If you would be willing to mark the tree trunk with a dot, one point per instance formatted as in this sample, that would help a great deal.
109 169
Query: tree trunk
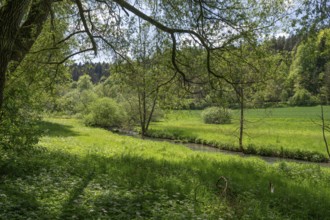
141 115
144 109
152 110
4 61
241 127
323 131
18 36
11 16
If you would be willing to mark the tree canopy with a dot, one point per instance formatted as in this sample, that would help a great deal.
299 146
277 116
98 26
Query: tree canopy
111 24
96 25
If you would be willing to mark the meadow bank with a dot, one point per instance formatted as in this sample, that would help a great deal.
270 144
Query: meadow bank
79 172
293 132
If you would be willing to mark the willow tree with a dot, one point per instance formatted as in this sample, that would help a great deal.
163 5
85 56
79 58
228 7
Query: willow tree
100 24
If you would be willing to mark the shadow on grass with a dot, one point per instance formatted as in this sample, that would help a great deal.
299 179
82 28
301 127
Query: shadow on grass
69 207
127 186
56 130
15 203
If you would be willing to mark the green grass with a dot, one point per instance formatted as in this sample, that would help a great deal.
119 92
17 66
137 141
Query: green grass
291 129
78 172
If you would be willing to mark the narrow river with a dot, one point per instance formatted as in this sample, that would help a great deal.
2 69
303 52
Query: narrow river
204 148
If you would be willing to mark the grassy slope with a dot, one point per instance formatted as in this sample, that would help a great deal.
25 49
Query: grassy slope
90 173
290 128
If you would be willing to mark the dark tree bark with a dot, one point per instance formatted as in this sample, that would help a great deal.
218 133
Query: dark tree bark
17 36
11 16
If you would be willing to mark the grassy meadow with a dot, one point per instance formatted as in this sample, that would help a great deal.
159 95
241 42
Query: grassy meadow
79 172
292 129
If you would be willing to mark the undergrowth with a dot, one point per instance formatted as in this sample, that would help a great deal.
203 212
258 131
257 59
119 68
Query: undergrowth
78 172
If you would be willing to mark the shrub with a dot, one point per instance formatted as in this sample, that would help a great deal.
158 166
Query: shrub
18 122
105 112
216 115
303 98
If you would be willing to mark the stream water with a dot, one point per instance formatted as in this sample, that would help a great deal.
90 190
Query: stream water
205 148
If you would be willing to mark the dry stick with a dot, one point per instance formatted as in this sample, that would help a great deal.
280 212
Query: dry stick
224 191
323 131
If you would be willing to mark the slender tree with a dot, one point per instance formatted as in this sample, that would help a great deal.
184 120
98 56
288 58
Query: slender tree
325 128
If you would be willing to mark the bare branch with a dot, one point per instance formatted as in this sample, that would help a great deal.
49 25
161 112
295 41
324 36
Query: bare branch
112 47
69 36
83 19
68 57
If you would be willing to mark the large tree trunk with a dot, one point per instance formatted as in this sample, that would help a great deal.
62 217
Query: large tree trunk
18 36
11 16
4 61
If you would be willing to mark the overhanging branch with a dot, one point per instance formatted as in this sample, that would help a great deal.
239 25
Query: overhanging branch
83 19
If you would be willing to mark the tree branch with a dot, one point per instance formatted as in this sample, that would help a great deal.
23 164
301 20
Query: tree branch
83 19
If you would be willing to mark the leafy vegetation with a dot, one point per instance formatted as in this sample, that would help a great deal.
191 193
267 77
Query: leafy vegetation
82 172
106 113
216 115
309 70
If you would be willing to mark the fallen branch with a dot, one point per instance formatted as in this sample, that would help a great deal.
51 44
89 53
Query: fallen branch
222 189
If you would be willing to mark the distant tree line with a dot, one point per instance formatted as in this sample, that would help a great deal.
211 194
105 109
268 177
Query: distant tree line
96 71
283 43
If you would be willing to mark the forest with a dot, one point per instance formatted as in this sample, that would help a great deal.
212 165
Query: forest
165 109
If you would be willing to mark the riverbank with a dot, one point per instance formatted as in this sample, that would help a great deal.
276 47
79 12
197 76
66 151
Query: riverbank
208 148
282 132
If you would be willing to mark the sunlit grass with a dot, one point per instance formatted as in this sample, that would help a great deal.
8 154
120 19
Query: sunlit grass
89 173
296 128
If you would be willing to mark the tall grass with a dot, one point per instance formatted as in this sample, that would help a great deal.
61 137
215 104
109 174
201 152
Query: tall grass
88 173
290 129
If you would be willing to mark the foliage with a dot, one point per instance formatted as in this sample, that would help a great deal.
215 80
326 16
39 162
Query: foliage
105 112
75 101
142 82
18 125
303 98
29 91
216 115
309 70
313 16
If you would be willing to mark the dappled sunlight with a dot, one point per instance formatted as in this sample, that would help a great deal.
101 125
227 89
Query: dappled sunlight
105 175
129 185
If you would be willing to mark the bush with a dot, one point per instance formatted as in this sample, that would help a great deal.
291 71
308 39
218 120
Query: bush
216 115
19 121
303 98
105 112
